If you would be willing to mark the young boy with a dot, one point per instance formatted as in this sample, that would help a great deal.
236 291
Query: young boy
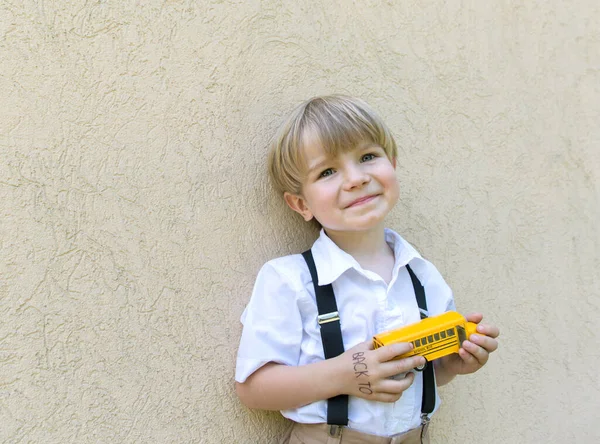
334 160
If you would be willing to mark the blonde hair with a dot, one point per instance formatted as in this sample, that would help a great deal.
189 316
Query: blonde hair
339 123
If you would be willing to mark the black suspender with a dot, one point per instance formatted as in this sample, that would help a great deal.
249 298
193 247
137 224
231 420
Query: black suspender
428 400
331 335
333 345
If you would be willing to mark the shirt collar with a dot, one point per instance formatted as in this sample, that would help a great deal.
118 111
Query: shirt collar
331 261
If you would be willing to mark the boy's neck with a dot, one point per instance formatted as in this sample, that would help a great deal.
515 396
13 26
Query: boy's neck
362 245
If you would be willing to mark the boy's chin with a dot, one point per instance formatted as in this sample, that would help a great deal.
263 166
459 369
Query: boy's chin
356 227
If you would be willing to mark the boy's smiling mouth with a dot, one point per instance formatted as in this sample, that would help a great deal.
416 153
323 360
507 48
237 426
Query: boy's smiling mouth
361 200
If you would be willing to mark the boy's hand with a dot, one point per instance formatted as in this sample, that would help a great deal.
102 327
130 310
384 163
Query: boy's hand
366 372
475 351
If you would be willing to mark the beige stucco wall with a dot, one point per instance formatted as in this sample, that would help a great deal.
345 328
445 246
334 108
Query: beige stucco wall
134 212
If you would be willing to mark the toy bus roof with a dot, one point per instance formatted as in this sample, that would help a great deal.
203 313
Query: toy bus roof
424 327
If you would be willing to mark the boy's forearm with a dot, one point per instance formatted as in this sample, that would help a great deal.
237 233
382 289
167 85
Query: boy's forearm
442 375
282 387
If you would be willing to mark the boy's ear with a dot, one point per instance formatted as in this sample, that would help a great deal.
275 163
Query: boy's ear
394 162
298 204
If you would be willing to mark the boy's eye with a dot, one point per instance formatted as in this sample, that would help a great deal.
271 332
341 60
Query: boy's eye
367 157
327 172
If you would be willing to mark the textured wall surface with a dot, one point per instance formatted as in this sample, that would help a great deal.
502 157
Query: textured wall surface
135 213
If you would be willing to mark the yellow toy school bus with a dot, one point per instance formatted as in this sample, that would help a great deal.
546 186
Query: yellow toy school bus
432 337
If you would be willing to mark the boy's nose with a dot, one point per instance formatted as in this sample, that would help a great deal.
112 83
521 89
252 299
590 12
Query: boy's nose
355 177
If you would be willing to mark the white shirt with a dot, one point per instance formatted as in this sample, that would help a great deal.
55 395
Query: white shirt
280 322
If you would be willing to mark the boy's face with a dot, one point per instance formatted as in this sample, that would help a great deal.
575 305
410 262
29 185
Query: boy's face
349 191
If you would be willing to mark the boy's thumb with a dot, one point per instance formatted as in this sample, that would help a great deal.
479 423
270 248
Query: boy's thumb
391 351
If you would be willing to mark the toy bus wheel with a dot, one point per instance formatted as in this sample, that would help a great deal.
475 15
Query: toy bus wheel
421 367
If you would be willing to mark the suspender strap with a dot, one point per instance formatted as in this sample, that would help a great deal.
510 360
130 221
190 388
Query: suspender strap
428 400
331 335
419 292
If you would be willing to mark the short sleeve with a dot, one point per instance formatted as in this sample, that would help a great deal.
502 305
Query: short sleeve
272 324
440 298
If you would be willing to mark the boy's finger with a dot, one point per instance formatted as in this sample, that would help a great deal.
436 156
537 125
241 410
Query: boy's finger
388 352
480 354
489 330
468 358
474 317
395 386
392 368
488 343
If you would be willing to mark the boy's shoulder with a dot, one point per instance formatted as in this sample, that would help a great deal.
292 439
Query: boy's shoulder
289 261
291 268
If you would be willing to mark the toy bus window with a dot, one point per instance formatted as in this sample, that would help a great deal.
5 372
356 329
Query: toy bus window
443 334
418 343
437 336
450 332
430 339
423 341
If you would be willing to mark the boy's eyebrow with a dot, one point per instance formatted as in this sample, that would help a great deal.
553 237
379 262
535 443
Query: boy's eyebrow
318 165
368 145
